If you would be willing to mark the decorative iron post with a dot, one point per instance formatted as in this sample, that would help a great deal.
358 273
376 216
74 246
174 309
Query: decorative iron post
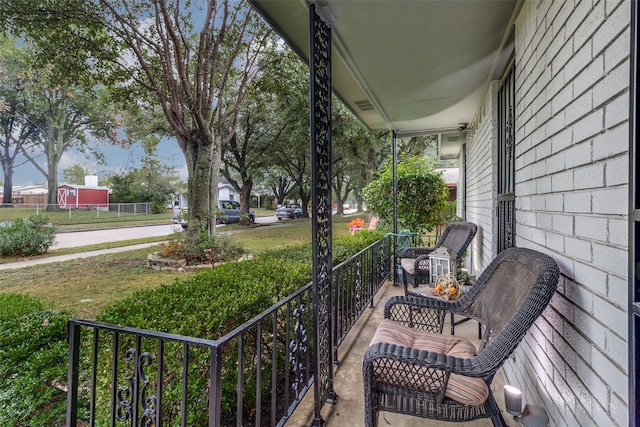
320 74
394 144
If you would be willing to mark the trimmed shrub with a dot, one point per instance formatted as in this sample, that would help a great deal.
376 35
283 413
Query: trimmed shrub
342 247
16 305
28 237
346 246
207 305
33 363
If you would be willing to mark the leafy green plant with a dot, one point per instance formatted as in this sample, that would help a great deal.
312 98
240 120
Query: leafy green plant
33 363
421 195
28 237
206 249
16 305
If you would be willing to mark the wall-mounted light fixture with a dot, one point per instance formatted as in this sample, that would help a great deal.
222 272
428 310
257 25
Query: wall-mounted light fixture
531 416
513 400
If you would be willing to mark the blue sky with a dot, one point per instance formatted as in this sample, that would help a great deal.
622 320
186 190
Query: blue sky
117 159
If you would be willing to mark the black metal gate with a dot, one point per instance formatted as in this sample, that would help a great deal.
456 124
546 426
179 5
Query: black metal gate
506 197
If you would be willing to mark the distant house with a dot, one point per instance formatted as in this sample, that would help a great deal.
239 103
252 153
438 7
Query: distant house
450 176
88 196
225 192
28 194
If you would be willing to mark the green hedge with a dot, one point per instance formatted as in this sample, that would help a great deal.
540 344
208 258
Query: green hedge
212 302
207 305
342 247
33 363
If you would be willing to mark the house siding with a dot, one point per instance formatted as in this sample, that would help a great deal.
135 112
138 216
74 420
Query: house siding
572 107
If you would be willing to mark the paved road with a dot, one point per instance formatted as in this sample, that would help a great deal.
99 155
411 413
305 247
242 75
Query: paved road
84 238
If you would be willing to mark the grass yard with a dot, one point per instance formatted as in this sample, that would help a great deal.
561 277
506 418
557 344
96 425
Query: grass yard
86 286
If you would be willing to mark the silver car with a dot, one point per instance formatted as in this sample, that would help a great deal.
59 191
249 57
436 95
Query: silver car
289 211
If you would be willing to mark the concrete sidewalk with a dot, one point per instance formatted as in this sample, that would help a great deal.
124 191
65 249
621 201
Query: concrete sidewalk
59 258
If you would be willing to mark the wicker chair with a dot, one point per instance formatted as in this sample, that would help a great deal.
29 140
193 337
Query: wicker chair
412 368
415 261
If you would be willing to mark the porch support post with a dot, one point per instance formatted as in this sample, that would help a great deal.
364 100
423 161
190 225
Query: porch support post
394 144
320 75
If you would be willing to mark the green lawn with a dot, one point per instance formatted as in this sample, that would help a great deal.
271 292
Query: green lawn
86 286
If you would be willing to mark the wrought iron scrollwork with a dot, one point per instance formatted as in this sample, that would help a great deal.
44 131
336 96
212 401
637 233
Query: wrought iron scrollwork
148 401
509 134
298 347
321 189
137 380
125 392
358 286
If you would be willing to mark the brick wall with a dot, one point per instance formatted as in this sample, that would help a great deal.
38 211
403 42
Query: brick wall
572 77
480 176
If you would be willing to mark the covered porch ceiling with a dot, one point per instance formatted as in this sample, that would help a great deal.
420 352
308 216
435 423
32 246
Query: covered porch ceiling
416 67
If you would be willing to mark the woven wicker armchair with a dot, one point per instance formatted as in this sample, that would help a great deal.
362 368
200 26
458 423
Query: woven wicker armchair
415 261
412 368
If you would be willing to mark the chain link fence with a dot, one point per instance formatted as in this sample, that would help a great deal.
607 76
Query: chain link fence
59 215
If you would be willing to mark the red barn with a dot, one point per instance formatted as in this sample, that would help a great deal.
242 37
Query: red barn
83 196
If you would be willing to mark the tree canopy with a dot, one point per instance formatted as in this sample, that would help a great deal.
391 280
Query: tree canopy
194 61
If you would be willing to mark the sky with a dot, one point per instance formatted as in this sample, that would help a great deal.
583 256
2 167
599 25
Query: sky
117 160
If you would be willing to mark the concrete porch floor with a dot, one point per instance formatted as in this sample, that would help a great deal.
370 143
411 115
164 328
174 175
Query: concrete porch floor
349 410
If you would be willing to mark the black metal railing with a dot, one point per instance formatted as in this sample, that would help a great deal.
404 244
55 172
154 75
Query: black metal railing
355 283
255 375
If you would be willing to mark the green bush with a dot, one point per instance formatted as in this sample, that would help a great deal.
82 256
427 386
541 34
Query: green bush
28 237
341 247
346 246
206 249
208 305
33 363
421 195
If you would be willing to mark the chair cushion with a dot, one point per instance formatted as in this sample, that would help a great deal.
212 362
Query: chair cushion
466 390
408 265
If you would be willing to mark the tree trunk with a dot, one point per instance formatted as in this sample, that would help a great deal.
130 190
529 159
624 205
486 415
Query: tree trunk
8 185
245 202
304 201
203 165
337 190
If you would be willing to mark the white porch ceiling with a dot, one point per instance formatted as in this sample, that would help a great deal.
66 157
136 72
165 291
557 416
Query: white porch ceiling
422 65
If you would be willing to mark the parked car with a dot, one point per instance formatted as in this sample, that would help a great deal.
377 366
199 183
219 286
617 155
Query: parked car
289 212
228 213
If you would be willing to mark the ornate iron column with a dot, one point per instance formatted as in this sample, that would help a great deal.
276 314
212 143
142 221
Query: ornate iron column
320 71
394 138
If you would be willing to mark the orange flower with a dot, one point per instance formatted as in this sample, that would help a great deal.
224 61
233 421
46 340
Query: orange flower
356 223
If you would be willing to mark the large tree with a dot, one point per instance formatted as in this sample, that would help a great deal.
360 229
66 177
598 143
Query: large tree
288 82
193 60
246 155
18 124
68 117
